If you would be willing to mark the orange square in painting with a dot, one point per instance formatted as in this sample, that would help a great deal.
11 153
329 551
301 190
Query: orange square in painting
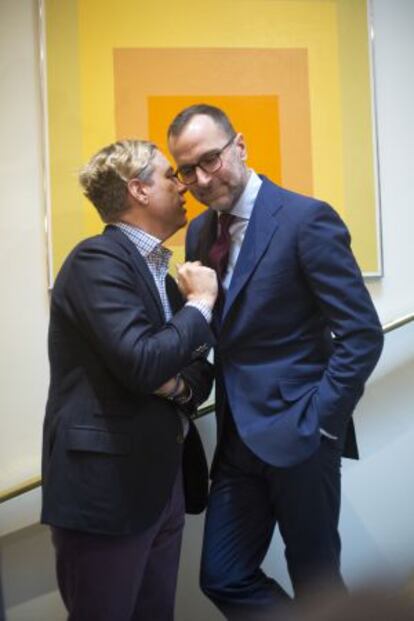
257 115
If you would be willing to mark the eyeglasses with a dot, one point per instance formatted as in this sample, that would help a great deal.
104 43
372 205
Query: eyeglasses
210 163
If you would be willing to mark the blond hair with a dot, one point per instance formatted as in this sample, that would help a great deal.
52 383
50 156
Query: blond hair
105 177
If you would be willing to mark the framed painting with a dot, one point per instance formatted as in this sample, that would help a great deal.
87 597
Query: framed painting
295 76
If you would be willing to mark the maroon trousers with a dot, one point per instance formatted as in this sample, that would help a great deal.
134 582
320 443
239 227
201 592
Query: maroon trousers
122 578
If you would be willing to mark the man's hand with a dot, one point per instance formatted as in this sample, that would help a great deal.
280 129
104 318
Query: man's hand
197 283
168 388
175 389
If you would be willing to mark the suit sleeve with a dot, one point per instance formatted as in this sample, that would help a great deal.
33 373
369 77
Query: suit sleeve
336 281
100 295
199 374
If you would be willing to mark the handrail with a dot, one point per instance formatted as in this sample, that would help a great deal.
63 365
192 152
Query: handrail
397 323
20 489
34 482
30 484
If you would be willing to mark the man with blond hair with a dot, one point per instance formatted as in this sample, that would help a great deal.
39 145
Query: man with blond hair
121 457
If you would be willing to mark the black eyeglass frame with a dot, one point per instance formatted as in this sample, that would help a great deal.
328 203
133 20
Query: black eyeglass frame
193 167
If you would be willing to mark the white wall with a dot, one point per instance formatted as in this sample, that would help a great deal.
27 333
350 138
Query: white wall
378 513
393 24
24 306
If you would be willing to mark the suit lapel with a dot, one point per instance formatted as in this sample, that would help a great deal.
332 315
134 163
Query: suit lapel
260 230
173 293
139 264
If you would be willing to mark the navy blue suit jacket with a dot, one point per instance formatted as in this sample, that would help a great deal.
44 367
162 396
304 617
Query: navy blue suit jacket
111 448
299 335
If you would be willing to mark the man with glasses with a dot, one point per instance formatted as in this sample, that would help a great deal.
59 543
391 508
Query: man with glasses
121 457
297 338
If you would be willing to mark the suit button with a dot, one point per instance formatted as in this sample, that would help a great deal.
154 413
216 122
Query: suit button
180 438
201 349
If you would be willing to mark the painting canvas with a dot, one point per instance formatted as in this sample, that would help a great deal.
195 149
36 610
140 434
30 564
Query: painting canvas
295 76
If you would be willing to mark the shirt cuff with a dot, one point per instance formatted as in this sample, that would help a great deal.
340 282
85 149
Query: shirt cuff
204 309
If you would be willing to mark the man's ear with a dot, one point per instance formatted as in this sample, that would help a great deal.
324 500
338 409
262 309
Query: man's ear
241 146
138 191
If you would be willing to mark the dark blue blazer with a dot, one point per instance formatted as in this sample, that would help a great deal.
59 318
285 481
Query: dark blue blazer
111 448
298 335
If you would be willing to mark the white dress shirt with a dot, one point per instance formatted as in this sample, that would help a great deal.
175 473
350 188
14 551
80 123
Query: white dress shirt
242 210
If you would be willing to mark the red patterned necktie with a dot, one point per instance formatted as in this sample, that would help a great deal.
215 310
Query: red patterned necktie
219 251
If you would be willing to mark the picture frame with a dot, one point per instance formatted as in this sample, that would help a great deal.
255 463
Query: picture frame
296 78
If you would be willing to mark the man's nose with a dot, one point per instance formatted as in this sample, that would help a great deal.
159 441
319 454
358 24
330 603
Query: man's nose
203 178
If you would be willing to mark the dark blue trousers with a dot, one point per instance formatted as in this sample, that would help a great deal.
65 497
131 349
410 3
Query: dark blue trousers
247 499
125 578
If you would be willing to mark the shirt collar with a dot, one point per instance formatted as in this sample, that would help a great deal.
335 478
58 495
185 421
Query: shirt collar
244 206
145 243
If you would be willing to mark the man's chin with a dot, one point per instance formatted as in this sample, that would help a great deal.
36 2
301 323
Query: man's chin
221 203
183 222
